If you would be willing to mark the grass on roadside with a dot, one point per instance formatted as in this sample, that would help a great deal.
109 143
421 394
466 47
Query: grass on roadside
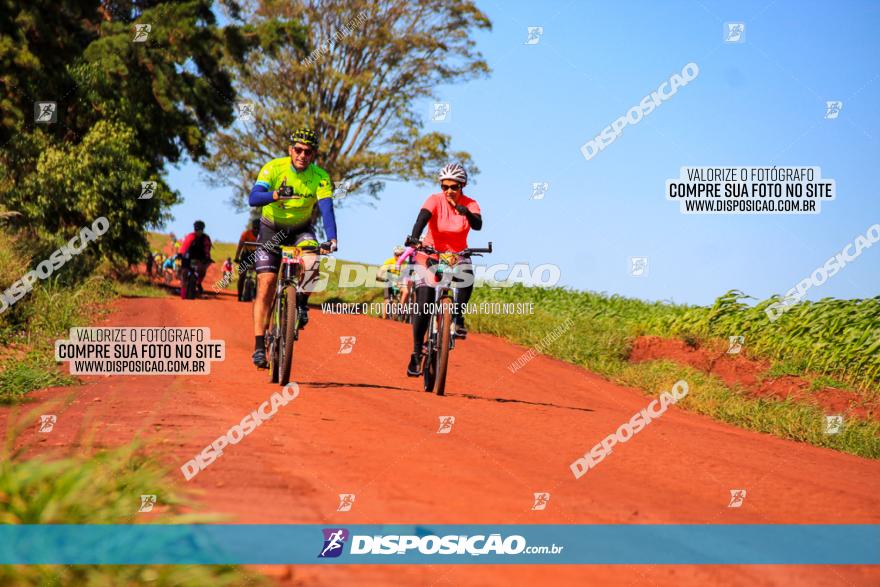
836 338
710 396
139 287
33 324
99 488
35 371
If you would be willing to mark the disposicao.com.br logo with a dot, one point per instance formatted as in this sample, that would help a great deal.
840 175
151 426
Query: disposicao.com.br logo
452 544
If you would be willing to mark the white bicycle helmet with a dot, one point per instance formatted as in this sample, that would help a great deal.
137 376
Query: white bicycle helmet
455 172
398 250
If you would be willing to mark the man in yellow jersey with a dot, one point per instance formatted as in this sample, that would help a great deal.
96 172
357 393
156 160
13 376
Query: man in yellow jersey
289 222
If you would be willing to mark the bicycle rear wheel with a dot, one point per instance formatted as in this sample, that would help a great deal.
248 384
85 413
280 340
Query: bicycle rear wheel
249 290
289 334
190 284
444 324
429 362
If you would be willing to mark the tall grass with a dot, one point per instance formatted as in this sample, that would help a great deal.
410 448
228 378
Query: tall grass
29 327
833 337
99 488
49 312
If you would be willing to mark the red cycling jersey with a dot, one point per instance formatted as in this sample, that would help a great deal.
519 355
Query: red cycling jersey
195 254
447 228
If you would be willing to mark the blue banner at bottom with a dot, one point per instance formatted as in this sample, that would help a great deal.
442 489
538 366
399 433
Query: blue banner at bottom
695 544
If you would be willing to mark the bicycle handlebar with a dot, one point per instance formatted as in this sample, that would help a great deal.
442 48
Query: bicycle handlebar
304 248
466 252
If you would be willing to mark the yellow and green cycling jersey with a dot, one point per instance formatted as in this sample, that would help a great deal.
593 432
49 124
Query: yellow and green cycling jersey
308 186
390 268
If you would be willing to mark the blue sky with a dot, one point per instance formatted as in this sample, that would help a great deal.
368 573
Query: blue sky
758 103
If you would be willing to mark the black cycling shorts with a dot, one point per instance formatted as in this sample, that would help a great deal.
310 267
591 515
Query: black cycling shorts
268 255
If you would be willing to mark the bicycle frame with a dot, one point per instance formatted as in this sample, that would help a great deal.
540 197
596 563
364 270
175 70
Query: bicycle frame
440 292
289 273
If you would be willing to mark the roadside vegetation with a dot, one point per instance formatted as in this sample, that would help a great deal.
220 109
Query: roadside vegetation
95 487
839 339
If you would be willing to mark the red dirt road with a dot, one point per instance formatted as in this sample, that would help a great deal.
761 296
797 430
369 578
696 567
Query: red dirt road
361 426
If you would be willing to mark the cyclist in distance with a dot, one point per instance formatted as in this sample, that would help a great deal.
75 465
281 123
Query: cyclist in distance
249 235
449 216
197 245
227 270
389 273
290 219
404 264
168 264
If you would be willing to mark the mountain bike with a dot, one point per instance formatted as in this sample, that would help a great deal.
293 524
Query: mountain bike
393 307
189 280
283 330
441 332
249 288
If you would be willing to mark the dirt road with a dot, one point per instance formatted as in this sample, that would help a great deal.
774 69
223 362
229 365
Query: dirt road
361 426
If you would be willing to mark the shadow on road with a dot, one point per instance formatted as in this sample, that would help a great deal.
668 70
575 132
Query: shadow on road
503 400
336 384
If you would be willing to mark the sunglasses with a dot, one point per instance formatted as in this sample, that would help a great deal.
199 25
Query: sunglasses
450 186
300 151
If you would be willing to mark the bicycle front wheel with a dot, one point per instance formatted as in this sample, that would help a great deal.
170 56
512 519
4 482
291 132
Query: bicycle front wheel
429 364
288 334
444 332
190 284
273 338
249 290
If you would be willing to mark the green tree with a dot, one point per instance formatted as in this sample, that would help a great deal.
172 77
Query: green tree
367 66
125 109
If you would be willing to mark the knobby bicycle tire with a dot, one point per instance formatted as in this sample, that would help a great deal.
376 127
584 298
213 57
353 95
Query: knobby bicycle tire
444 320
249 290
273 339
429 363
191 284
289 334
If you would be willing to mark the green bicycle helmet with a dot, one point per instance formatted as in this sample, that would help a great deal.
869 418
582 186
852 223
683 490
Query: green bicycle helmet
306 136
